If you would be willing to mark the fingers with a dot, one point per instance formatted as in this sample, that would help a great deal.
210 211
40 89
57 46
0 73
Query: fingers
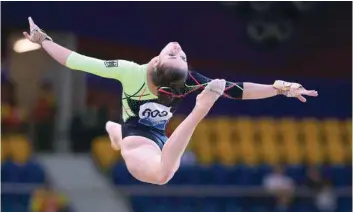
301 98
222 84
31 23
310 93
27 35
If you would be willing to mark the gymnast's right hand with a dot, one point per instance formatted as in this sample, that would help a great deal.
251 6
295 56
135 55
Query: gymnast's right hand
36 34
206 99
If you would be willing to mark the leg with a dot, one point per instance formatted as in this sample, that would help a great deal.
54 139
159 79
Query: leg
114 131
144 159
147 163
178 141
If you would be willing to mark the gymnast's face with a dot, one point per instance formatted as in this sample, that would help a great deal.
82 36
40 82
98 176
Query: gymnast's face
172 55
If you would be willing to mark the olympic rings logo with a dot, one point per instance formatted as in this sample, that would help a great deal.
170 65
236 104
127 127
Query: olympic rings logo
263 31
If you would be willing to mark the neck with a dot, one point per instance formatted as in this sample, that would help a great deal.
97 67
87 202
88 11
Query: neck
150 84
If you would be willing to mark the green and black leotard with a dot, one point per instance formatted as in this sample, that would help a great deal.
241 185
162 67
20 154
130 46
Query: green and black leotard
144 113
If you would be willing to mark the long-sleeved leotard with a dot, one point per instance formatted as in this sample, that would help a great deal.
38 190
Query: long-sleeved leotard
139 104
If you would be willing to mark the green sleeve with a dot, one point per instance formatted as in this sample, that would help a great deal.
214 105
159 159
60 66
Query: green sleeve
113 69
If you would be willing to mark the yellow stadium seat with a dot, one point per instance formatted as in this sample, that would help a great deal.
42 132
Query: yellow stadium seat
348 127
288 129
348 142
4 148
234 141
246 140
103 153
312 145
175 121
202 139
332 133
19 148
225 154
224 150
266 128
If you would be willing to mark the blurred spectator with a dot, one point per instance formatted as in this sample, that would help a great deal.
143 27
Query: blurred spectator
90 123
313 179
13 118
114 108
188 158
43 115
281 186
326 199
47 200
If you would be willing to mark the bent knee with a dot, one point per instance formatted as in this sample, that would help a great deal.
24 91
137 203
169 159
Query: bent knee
165 175
154 177
162 179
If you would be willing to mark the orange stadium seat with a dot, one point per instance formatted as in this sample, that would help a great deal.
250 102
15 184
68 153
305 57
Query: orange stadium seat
19 148
312 145
103 153
333 134
288 129
266 127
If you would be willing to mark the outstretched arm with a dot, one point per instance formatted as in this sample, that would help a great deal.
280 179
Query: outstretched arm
108 69
248 90
258 91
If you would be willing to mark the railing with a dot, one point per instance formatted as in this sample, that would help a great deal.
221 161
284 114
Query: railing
175 190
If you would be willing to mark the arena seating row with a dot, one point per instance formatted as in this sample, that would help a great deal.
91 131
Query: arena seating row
241 152
239 175
192 204
19 167
16 148
256 141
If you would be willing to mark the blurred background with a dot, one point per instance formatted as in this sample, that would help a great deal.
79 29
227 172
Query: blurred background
247 156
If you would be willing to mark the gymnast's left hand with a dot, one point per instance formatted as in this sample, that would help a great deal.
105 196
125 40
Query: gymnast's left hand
36 35
296 90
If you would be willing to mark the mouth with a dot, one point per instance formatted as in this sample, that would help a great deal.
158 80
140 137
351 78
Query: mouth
176 45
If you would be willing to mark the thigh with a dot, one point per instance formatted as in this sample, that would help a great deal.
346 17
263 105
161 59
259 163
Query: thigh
142 157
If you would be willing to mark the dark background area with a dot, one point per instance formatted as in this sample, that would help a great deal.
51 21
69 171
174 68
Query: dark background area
306 42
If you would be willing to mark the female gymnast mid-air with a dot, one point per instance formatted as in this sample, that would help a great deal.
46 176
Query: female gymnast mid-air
151 93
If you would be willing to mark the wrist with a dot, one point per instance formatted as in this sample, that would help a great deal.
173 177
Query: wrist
281 87
44 42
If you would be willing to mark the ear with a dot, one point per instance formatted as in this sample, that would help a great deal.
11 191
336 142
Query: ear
155 62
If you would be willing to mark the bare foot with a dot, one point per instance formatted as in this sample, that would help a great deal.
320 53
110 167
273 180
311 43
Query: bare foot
114 131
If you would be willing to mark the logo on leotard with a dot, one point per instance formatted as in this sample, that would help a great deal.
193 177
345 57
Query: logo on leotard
154 115
111 63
